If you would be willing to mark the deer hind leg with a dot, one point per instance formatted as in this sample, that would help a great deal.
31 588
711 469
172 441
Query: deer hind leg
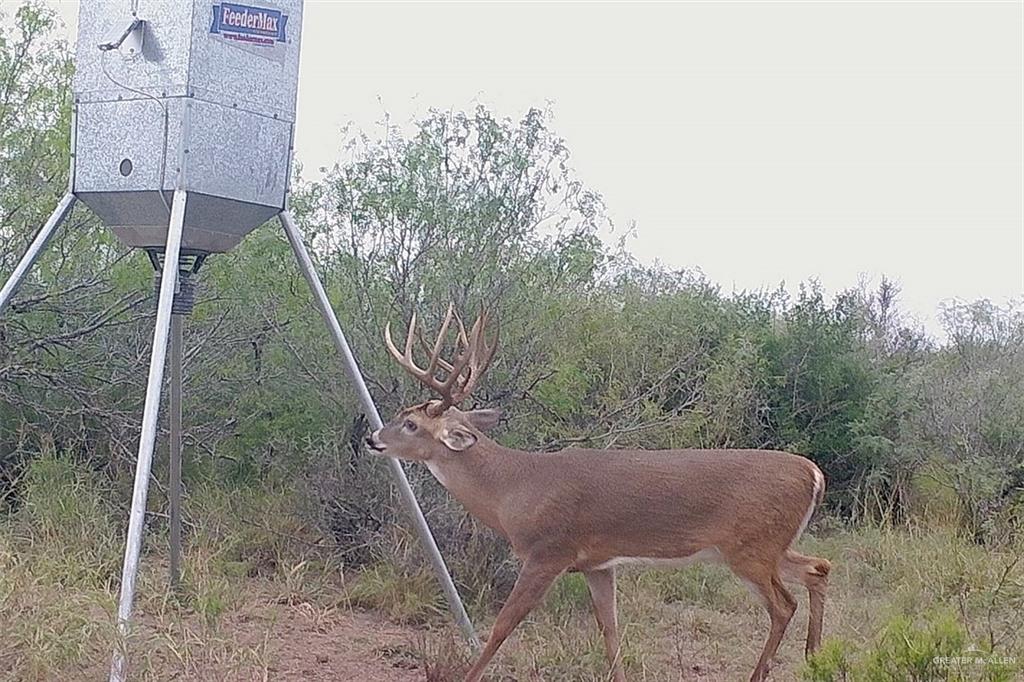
780 605
812 573
602 595
534 579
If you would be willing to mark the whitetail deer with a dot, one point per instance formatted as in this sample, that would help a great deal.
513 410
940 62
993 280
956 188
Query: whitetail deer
592 510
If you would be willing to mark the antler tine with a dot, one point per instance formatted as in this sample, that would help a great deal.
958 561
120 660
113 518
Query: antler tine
435 354
409 335
441 362
494 345
479 356
463 350
473 355
392 348
463 339
405 360
478 333
455 368
472 350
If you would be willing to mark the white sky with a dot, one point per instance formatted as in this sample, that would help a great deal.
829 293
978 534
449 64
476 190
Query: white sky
760 141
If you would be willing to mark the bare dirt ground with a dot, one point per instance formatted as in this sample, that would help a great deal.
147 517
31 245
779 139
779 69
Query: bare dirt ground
272 641
340 646
265 640
267 637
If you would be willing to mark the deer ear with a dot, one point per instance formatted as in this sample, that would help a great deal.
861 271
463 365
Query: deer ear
485 420
457 439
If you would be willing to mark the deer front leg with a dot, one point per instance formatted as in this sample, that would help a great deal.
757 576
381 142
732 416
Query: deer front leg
602 595
533 582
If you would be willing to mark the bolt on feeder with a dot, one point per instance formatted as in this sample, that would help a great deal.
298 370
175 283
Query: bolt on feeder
184 114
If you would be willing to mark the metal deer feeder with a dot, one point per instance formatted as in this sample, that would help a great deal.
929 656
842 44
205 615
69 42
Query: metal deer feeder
182 141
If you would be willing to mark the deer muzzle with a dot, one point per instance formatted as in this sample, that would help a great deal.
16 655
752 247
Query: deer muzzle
374 443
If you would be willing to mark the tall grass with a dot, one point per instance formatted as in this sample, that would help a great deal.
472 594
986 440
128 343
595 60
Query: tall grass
58 557
60 563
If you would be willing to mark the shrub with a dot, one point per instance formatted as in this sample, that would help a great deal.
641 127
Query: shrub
934 649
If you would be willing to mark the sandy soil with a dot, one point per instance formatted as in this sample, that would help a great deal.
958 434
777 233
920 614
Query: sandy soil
301 642
349 646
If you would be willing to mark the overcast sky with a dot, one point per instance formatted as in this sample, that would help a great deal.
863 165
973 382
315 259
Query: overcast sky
762 142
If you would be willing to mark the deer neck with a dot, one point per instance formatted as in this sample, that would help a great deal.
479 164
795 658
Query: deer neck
482 477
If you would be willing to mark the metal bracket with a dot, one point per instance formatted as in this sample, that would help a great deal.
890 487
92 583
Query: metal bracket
129 42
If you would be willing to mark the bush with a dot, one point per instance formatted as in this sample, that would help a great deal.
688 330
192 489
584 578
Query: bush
935 649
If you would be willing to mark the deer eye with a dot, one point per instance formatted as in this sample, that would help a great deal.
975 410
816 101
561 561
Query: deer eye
409 425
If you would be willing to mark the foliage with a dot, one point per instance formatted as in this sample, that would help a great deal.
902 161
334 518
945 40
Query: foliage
969 425
84 291
933 650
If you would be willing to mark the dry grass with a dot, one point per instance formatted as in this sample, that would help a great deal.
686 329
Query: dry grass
249 568
261 601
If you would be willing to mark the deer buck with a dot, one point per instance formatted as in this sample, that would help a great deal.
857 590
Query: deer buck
593 510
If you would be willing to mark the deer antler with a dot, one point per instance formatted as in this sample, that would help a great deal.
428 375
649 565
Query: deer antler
473 356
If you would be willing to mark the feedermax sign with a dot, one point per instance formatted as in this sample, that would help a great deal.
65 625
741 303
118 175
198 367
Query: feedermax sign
260 30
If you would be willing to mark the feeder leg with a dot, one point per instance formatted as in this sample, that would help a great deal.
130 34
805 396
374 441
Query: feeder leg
35 249
412 507
147 438
174 449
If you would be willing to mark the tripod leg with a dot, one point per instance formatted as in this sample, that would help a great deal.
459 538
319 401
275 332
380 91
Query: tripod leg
174 449
35 249
147 438
412 507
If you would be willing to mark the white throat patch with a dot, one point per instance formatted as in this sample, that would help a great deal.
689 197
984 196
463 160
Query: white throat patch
436 470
